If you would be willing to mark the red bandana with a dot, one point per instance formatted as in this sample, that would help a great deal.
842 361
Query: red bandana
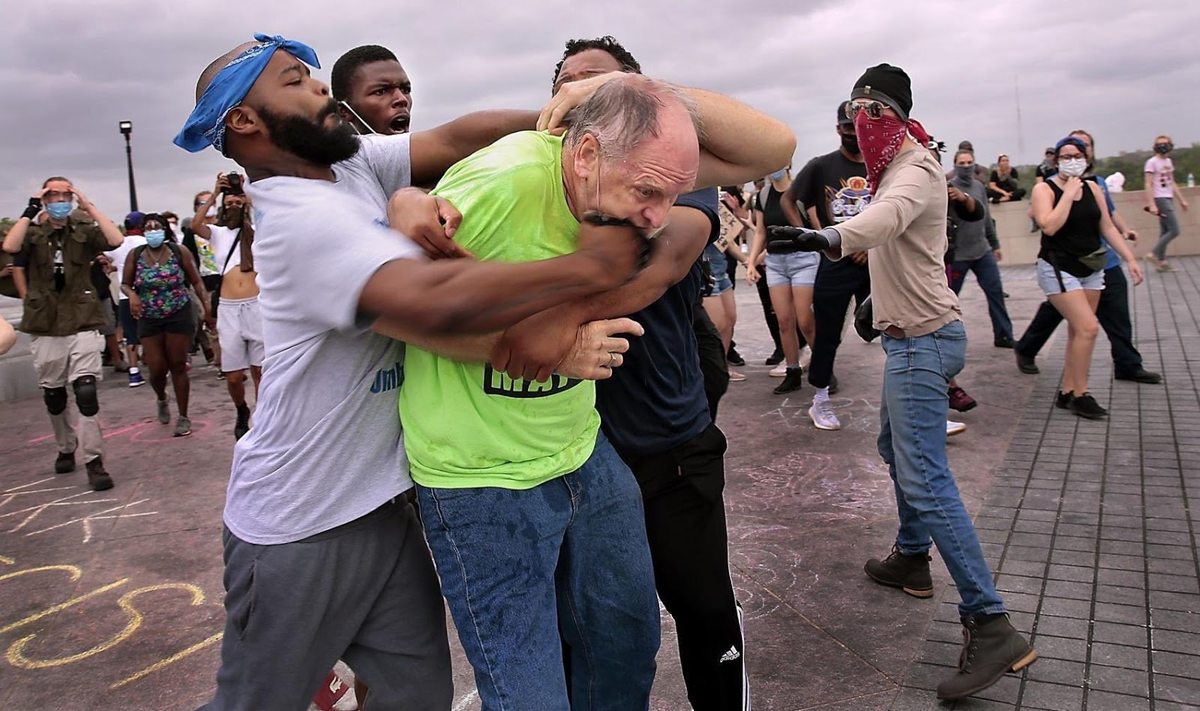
880 140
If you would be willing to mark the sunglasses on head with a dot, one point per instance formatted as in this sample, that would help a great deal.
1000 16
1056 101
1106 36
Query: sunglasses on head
874 109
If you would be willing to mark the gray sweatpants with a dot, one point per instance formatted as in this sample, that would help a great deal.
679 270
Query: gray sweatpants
365 592
1168 226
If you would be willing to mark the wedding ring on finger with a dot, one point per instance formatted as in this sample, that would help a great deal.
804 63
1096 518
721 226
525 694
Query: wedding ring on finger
612 359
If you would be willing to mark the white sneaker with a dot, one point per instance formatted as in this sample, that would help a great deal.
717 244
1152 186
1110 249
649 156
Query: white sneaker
779 371
805 357
955 428
822 416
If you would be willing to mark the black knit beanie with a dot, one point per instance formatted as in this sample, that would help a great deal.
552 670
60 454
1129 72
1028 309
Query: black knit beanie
888 85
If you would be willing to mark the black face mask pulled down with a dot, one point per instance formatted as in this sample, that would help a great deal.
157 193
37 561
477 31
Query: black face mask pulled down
850 143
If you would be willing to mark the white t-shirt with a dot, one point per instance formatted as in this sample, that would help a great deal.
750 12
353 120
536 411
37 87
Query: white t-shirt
326 446
120 254
1162 182
222 241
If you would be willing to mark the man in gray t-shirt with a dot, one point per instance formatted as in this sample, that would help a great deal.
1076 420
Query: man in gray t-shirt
976 249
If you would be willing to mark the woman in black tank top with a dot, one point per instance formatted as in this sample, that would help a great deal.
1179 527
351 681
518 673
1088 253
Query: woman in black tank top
1073 216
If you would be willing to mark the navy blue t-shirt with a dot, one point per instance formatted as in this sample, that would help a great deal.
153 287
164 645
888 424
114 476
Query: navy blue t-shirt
655 401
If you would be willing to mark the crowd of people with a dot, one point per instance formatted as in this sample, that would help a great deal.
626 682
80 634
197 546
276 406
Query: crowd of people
512 412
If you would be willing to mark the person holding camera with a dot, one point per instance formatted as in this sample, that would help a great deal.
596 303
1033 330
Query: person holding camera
925 344
239 324
62 315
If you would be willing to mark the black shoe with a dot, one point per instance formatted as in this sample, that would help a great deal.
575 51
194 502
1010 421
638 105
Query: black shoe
792 381
910 573
833 384
775 359
98 479
1141 375
1064 400
1004 342
243 422
734 357
1086 406
992 647
65 463
1025 364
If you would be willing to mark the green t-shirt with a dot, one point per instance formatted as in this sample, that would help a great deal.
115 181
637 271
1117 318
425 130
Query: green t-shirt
467 425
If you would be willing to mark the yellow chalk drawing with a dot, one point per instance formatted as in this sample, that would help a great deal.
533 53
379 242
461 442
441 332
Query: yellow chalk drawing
16 651
169 660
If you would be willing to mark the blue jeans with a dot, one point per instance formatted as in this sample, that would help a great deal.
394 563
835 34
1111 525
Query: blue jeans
569 555
912 440
1168 226
987 273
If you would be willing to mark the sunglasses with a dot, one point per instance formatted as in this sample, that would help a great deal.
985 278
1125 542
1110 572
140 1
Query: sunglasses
874 109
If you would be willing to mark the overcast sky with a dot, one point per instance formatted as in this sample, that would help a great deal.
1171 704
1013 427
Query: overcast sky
70 70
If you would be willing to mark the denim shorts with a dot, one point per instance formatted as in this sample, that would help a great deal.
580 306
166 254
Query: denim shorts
1048 280
795 269
720 269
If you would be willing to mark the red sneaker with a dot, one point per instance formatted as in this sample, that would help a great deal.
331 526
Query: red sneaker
960 401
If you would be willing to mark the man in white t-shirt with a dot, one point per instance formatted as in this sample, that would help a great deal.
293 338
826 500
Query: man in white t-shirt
324 556
239 321
133 240
1161 192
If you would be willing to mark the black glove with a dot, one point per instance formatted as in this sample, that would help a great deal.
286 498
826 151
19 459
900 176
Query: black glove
864 321
804 239
35 206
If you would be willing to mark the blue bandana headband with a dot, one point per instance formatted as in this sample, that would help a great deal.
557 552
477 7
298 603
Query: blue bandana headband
206 125
1070 141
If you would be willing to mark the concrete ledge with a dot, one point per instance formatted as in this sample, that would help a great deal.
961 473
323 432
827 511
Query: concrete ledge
17 376
1020 246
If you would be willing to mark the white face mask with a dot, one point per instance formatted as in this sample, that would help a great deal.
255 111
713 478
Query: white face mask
1072 167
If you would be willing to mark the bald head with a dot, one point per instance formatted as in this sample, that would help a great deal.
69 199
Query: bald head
213 69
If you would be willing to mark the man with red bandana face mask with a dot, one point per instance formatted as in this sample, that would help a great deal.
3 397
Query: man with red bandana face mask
925 343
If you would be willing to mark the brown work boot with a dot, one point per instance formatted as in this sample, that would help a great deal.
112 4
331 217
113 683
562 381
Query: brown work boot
992 647
98 479
910 573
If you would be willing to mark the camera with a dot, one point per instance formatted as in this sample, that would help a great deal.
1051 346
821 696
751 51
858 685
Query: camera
235 184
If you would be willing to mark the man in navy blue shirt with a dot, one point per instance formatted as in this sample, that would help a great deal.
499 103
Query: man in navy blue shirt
655 413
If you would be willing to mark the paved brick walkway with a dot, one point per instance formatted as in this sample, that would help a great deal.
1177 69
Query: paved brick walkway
1093 528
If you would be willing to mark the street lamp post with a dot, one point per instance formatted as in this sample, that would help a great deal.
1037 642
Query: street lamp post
126 129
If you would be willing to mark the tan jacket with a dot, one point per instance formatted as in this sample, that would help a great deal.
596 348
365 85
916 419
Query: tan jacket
49 312
905 229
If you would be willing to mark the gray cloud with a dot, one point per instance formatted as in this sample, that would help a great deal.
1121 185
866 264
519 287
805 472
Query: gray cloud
1126 72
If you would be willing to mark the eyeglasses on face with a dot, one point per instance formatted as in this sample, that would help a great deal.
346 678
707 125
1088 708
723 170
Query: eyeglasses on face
874 109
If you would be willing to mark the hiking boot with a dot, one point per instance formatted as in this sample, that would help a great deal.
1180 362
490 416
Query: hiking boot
243 422
822 416
992 647
734 357
1025 364
1086 406
98 479
775 359
1004 342
1141 375
183 427
164 412
960 401
910 573
65 463
1063 400
792 380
